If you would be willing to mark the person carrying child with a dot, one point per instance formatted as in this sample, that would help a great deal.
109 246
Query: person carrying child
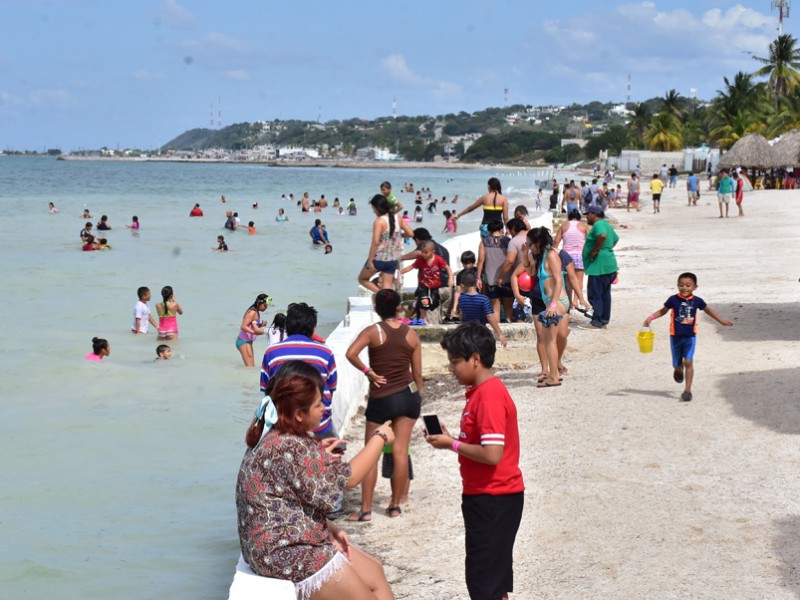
476 308
488 454
429 277
683 329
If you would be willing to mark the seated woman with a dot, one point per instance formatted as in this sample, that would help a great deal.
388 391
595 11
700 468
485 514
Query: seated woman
287 483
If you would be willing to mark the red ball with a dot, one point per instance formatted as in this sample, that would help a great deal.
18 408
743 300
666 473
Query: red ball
525 282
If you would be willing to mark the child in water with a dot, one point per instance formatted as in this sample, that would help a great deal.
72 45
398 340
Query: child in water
328 248
251 227
450 225
222 246
168 310
163 352
52 209
134 223
100 349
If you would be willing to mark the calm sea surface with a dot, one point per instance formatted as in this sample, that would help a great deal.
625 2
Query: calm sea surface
118 478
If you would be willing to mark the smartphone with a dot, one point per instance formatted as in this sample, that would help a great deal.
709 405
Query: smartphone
432 425
340 448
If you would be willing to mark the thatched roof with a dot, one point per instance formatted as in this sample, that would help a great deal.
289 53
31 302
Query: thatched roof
786 151
752 152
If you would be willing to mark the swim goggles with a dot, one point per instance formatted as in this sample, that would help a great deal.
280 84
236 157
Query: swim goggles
267 301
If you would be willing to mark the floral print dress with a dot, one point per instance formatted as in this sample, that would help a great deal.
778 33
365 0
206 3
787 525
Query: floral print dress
286 485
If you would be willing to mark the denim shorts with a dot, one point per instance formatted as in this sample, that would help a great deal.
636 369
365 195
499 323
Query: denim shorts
385 266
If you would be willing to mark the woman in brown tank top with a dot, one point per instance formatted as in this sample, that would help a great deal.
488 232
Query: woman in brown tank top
395 383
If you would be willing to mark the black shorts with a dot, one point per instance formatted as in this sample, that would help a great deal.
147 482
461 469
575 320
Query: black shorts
427 299
387 466
404 403
490 525
656 197
493 292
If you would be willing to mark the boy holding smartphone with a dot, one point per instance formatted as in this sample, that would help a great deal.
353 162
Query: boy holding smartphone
488 455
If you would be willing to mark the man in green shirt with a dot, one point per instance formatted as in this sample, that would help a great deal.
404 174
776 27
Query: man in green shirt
724 191
600 265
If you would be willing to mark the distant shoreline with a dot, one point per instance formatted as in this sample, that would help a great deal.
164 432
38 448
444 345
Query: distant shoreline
339 164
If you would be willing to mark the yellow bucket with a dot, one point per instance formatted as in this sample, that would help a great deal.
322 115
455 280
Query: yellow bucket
645 338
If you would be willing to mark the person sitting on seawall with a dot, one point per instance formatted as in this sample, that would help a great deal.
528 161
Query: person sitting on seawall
196 211
288 481
100 349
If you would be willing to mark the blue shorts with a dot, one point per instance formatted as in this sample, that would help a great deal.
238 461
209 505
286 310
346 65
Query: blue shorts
240 342
682 348
385 266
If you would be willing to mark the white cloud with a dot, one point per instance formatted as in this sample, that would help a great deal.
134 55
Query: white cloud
9 100
145 75
398 71
177 16
238 75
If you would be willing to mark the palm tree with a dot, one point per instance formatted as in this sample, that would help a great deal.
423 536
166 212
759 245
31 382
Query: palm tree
741 93
728 127
638 124
673 104
787 117
664 133
781 66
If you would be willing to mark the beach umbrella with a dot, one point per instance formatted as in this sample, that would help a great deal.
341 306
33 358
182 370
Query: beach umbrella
787 150
751 152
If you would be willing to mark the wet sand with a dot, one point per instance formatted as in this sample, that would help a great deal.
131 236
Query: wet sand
630 492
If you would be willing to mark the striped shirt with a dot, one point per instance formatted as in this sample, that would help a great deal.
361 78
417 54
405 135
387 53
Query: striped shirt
474 307
319 356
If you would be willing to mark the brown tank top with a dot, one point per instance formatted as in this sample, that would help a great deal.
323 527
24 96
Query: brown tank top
392 360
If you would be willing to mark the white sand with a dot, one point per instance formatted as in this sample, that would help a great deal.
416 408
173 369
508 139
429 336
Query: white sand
630 492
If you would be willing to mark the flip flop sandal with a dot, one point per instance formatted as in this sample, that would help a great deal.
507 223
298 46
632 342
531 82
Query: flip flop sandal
362 517
394 511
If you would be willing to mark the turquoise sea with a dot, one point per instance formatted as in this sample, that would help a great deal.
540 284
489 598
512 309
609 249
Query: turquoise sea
118 478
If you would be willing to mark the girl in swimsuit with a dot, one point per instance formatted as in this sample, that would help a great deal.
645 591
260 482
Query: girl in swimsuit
168 312
386 248
251 327
495 206
548 266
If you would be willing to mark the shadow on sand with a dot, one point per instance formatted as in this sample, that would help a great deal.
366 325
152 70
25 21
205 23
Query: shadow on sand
759 322
786 545
768 398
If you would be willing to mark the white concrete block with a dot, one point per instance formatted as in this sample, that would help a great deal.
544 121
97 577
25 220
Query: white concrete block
249 586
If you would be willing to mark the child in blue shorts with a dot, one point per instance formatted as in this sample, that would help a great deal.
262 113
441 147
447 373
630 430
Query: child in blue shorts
683 328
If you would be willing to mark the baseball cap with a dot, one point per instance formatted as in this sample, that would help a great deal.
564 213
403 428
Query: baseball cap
595 209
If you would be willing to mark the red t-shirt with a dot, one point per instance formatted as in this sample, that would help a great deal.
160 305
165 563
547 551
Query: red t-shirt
490 418
430 275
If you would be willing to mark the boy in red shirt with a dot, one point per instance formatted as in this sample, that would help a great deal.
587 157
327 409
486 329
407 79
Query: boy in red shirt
488 455
429 278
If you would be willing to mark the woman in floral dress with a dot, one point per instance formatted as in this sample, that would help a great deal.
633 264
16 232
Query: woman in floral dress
287 483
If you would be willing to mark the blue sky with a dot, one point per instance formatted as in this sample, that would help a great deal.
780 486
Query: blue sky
91 73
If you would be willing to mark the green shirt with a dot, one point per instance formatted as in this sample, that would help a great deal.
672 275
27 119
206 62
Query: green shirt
605 262
392 202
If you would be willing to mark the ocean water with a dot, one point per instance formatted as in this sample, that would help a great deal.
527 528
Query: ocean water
118 478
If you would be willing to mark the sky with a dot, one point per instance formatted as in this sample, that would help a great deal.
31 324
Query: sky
82 74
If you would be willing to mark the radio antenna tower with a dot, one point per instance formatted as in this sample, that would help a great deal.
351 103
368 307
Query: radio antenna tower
219 112
783 7
211 123
505 96
319 114
394 107
629 87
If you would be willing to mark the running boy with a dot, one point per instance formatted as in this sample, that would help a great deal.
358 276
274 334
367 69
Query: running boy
476 308
141 312
488 455
683 328
656 187
430 267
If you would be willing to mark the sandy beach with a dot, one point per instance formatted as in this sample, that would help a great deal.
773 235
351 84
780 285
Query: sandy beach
630 492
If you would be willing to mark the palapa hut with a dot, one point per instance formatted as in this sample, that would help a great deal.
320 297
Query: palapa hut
751 152
786 151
